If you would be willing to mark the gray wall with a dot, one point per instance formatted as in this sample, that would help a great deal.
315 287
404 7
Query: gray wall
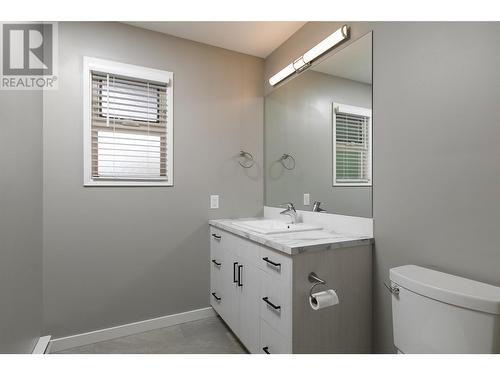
436 123
115 255
298 121
20 220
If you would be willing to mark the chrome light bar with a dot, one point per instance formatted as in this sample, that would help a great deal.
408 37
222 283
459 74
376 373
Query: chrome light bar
305 60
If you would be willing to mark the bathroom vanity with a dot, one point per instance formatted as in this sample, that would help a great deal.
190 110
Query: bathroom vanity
317 154
259 286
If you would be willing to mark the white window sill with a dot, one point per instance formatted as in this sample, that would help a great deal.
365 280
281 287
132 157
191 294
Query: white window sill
352 183
126 183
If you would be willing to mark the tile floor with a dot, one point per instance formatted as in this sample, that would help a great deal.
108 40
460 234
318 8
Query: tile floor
205 336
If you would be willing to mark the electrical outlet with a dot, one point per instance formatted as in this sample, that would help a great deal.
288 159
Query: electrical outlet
214 201
307 199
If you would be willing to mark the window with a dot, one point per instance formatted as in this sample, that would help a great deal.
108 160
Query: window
352 145
128 124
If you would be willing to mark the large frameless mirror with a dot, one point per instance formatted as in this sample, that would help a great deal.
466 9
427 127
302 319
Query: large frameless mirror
318 135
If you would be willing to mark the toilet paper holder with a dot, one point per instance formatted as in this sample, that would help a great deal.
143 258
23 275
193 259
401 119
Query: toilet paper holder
313 278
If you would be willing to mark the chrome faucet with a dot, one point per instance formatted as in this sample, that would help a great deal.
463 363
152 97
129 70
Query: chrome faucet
290 211
316 207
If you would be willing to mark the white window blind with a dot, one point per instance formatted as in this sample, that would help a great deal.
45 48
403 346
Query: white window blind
352 136
129 128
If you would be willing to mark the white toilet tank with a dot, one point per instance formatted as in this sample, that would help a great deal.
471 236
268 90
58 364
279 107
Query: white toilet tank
435 312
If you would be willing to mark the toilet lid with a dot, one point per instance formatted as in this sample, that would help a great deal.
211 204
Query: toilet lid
448 288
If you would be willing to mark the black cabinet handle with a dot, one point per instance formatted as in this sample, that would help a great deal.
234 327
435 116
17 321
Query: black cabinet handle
234 272
215 296
266 349
266 300
216 263
216 236
271 262
240 267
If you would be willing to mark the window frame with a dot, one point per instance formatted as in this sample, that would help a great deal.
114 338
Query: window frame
355 110
133 71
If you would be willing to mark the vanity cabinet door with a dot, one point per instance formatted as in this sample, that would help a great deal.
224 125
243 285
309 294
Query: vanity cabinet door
249 318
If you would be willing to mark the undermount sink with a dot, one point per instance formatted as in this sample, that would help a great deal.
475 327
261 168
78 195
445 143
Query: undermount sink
275 226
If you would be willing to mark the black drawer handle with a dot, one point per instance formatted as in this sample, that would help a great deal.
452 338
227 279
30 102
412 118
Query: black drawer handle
240 267
216 236
234 272
266 300
271 262
215 296
266 349
216 263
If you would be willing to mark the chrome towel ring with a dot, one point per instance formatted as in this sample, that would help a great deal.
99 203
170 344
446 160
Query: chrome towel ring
248 160
286 157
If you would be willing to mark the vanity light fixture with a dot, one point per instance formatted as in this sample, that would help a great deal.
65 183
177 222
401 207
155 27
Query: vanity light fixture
305 60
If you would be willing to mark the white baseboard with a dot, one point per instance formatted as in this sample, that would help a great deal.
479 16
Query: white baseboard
42 345
92 337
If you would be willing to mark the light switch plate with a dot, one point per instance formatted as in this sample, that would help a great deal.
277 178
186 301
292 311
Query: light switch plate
307 199
214 201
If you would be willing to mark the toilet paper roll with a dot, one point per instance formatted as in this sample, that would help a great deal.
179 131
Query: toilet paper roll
323 299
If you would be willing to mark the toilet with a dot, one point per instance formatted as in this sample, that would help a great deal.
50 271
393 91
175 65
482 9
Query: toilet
435 312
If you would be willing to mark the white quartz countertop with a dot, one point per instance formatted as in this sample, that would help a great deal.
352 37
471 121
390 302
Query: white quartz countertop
296 242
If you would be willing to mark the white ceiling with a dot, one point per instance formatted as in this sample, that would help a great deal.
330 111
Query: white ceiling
253 38
353 62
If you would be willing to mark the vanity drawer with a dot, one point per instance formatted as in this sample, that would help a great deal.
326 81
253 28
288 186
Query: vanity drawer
275 264
275 304
216 265
216 300
216 242
271 342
